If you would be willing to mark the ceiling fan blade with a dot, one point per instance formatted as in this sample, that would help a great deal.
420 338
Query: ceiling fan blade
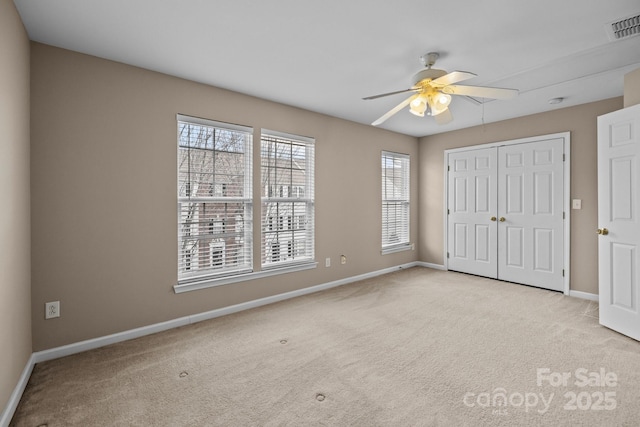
444 117
390 93
481 91
452 77
394 110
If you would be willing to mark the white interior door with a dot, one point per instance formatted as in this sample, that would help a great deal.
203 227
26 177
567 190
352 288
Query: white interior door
472 212
530 211
618 194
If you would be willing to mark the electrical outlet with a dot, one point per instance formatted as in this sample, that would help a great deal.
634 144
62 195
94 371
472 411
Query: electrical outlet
343 259
327 262
51 309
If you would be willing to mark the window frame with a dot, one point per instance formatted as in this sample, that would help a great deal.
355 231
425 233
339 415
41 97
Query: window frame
253 195
403 200
219 225
278 222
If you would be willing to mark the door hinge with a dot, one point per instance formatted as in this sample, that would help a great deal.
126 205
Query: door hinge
563 215
447 254
448 212
563 272
448 168
564 157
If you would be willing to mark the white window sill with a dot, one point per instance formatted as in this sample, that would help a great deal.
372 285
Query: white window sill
397 248
220 281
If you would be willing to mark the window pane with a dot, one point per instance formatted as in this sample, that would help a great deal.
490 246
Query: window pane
214 200
212 236
395 199
287 200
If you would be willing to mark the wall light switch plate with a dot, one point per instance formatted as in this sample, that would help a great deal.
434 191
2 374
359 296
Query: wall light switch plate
576 204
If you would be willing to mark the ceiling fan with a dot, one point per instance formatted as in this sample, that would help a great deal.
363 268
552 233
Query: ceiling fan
433 89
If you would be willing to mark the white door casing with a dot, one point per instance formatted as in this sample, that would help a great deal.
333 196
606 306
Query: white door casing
619 221
529 191
472 221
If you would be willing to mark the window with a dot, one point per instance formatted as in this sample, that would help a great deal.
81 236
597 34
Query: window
395 202
214 199
287 193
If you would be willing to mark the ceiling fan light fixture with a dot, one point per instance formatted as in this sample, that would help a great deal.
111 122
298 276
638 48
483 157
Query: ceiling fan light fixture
438 103
437 109
418 106
433 89
442 99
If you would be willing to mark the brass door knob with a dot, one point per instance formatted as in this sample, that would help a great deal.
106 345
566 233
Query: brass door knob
502 219
602 231
493 218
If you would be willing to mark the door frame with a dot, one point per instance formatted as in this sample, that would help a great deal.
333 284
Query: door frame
566 137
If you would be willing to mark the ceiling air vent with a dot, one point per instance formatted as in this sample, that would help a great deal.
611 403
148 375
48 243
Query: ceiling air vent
624 28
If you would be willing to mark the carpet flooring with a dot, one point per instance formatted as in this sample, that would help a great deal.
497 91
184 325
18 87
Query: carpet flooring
414 347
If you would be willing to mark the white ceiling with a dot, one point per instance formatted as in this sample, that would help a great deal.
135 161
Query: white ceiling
324 56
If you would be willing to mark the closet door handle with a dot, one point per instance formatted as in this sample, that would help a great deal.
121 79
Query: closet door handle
502 219
493 218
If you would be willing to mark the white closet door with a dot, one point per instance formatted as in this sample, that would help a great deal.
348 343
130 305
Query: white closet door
471 234
530 211
618 195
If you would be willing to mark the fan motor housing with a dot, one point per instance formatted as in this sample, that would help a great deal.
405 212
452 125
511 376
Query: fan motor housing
428 74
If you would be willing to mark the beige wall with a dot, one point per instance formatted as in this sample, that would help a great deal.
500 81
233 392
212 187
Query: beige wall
103 191
104 194
15 238
581 122
632 88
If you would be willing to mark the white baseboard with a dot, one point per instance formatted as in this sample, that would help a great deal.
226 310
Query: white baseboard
584 295
292 294
575 294
67 350
430 265
79 347
54 353
14 399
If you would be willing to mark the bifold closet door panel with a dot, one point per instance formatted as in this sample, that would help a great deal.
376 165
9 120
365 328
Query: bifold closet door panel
530 213
472 203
